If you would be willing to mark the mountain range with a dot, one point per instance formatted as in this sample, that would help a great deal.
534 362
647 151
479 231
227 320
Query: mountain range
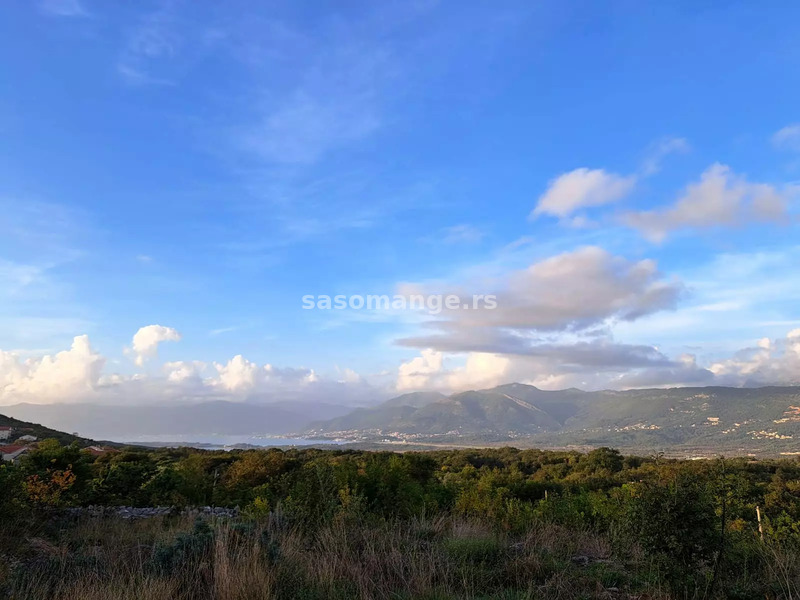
707 417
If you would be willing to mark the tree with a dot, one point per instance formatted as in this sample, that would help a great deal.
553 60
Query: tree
55 474
673 518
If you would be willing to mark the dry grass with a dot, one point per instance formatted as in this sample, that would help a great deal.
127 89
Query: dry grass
437 559
782 568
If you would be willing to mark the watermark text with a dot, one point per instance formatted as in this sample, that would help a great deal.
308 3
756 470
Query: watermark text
431 303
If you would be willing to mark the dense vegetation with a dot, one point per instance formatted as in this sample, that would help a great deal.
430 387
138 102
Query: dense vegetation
348 524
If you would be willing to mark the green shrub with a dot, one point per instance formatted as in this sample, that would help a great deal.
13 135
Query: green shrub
185 550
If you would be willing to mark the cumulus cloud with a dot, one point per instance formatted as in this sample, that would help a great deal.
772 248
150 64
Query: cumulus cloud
574 291
181 371
481 370
240 374
586 188
418 372
147 339
429 372
720 198
588 364
605 364
349 376
76 375
66 375
787 138
582 188
768 362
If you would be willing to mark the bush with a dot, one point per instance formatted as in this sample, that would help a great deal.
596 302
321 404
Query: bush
185 551
675 522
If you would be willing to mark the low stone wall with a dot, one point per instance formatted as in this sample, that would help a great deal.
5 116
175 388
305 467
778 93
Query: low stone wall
146 512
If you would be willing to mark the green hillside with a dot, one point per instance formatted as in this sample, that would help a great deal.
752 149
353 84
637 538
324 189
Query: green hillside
40 432
415 399
738 418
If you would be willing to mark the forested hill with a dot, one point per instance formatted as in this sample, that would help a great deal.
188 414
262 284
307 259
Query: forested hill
41 432
721 416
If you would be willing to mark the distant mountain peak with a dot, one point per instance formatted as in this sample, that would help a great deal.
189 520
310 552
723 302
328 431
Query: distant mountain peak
514 386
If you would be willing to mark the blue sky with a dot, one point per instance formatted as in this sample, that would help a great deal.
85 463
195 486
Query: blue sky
200 166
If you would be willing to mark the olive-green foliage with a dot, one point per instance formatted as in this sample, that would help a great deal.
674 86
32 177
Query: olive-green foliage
674 519
187 548
693 520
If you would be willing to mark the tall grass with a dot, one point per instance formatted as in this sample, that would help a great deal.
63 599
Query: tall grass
440 558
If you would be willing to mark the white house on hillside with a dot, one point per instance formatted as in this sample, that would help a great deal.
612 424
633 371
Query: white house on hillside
5 432
12 453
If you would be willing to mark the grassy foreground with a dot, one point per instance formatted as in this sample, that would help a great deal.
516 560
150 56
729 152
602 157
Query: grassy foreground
438 558
493 523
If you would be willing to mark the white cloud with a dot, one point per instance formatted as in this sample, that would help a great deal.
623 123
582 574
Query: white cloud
601 364
720 198
68 374
349 376
481 370
769 362
582 188
585 188
573 291
239 374
788 137
147 339
242 376
180 371
76 375
417 373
